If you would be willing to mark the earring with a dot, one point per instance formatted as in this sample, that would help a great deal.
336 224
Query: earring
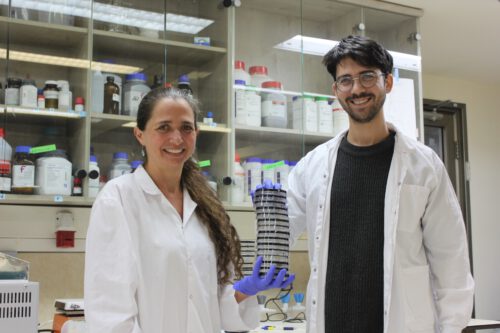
143 151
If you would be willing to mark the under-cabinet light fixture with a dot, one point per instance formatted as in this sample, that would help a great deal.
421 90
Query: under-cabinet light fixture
320 46
130 124
67 62
116 14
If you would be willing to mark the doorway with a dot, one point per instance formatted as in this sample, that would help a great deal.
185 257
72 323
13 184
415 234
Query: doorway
445 131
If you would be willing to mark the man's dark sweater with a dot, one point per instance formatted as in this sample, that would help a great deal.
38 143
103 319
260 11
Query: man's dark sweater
354 296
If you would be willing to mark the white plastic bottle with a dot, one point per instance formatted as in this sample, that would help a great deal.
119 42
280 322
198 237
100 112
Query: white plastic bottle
267 172
274 111
281 175
119 166
65 96
134 90
253 107
238 186
239 72
53 174
94 174
305 113
240 116
253 175
258 75
5 163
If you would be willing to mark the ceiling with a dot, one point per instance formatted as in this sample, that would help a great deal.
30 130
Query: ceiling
460 38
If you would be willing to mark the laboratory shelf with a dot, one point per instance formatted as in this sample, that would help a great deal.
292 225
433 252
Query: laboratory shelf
113 44
25 111
284 92
279 135
103 122
23 119
44 200
45 41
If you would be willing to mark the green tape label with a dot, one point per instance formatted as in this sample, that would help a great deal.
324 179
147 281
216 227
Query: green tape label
203 164
42 149
272 166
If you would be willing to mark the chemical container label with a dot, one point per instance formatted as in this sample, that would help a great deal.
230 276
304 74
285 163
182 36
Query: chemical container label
23 175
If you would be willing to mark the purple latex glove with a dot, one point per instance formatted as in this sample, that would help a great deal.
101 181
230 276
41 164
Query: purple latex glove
251 285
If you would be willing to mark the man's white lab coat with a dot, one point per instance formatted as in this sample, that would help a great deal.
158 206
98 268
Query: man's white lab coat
146 270
427 282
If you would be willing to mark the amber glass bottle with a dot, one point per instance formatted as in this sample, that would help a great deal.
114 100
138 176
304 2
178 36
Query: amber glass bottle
111 96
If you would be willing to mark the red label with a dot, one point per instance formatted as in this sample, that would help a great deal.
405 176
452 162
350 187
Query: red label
4 167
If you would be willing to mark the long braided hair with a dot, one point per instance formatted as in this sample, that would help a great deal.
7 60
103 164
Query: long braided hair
209 208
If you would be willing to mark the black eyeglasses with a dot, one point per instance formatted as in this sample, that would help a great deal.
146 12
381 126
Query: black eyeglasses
367 80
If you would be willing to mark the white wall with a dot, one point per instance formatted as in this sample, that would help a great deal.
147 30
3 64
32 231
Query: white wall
483 127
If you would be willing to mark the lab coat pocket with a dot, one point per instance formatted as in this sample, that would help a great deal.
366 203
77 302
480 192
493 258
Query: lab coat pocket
412 202
418 300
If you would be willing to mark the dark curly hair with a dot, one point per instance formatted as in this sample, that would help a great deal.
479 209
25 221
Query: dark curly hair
363 50
209 208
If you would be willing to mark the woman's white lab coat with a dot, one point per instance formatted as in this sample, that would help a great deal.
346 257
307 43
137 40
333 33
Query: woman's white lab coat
146 270
427 282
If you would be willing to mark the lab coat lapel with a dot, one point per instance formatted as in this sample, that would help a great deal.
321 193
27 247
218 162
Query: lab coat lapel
189 207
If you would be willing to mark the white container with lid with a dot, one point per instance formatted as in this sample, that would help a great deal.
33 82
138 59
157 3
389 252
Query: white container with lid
94 174
240 116
258 75
238 185
253 107
65 96
274 112
119 166
253 175
28 94
267 172
12 91
53 174
305 113
340 118
281 175
134 90
239 72
325 115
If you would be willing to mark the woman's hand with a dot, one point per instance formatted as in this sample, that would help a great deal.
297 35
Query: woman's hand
253 284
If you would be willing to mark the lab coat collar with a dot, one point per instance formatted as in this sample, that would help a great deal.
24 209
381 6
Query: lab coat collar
143 179
403 145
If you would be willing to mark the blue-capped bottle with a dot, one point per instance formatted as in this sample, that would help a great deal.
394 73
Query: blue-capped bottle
184 85
135 164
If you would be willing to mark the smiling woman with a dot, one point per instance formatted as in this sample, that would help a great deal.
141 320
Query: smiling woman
161 252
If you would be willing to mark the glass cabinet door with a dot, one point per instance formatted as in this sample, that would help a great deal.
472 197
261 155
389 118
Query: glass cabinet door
149 44
44 59
285 41
399 33
267 85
